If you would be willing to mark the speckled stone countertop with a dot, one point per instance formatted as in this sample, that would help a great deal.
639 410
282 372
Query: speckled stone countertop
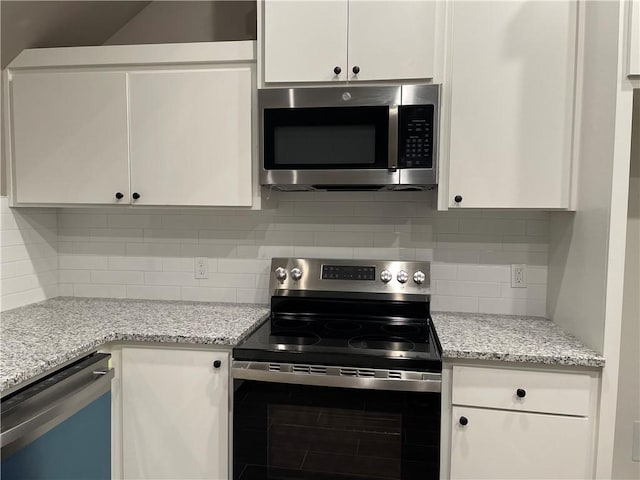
40 337
510 339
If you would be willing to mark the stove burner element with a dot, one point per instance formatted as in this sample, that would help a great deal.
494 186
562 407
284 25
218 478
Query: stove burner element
400 329
285 337
379 342
344 326
285 323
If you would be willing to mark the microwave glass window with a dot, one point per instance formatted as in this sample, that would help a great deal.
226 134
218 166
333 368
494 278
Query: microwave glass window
327 137
325 144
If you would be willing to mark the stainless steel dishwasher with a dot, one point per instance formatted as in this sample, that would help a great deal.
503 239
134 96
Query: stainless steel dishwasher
59 427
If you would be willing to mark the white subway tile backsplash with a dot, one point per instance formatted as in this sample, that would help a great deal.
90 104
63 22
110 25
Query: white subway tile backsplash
209 294
74 276
116 277
81 220
467 289
226 265
153 249
99 248
82 262
485 273
135 263
252 295
100 291
443 271
179 264
153 292
149 252
237 280
170 278
134 221
512 306
537 275
442 303
28 255
534 292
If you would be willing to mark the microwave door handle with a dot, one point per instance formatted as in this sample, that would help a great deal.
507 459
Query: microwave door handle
393 138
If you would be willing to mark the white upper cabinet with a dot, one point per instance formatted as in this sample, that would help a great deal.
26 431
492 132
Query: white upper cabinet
69 137
391 39
634 37
133 125
305 41
331 40
512 88
191 136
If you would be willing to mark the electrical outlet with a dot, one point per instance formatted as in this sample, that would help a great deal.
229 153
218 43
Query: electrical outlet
201 267
518 276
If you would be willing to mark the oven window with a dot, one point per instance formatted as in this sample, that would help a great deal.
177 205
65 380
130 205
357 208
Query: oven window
300 432
317 138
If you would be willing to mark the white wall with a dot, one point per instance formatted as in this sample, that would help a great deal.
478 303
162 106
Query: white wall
150 253
189 21
28 255
628 408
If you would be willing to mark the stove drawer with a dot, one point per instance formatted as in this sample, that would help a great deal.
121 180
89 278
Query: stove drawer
522 390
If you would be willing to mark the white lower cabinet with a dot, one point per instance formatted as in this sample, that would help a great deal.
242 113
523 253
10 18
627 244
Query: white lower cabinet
175 413
516 423
504 444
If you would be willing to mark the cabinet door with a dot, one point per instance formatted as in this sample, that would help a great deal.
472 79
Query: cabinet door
175 414
190 136
501 444
391 39
69 137
305 40
512 95
634 38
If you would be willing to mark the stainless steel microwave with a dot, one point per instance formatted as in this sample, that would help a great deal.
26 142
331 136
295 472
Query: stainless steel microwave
349 137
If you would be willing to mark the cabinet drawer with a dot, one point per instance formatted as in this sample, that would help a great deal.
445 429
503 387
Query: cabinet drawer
550 392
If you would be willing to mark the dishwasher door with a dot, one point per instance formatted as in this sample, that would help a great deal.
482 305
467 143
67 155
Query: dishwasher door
60 426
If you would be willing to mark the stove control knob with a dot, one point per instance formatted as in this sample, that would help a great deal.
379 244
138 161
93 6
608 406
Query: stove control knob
386 276
402 276
281 274
296 273
419 277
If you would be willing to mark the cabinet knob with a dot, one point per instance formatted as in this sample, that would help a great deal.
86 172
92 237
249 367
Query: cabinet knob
355 69
457 198
135 195
521 393
337 70
217 363
463 420
119 195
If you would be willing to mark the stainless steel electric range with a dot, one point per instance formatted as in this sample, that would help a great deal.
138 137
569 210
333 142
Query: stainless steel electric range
343 379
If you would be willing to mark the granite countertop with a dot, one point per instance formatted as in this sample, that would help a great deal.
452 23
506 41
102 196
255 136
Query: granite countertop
40 337
510 338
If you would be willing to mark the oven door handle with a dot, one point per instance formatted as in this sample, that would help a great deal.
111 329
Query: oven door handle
341 377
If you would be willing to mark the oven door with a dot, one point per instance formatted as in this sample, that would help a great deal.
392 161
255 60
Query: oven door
329 136
306 431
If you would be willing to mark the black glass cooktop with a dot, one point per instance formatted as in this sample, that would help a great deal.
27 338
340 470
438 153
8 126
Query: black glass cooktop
364 334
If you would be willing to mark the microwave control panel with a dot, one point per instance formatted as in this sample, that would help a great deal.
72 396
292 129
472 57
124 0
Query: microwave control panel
415 136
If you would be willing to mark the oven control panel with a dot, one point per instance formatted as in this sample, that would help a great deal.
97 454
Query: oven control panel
375 276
